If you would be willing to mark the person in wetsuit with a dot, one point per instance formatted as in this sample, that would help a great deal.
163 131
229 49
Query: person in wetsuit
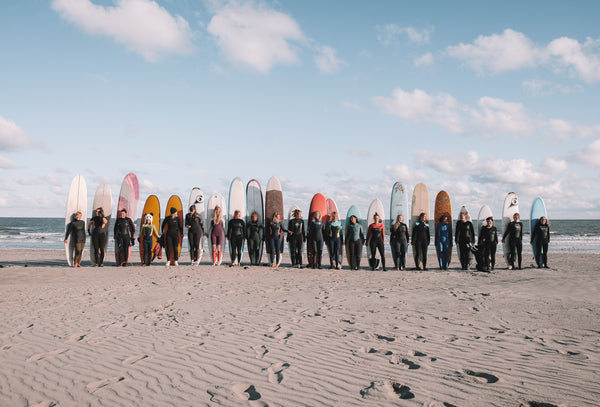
174 229
335 237
76 229
217 235
147 231
316 230
399 239
464 238
356 239
514 231
195 227
487 242
124 235
420 241
254 234
236 233
274 229
296 237
376 239
541 237
443 241
99 235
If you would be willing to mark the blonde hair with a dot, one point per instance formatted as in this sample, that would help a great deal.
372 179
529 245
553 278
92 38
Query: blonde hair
217 215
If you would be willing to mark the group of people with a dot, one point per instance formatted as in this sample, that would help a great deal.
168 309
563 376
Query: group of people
318 234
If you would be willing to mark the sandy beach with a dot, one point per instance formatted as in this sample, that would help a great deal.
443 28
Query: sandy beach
203 335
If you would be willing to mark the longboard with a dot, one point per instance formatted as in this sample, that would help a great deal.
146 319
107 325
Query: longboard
353 211
254 203
237 202
102 199
420 204
318 203
510 207
151 206
197 199
274 203
129 197
174 202
443 206
484 213
538 209
76 202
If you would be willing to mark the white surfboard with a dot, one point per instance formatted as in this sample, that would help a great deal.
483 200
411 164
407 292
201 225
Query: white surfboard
197 199
102 199
237 202
375 207
538 209
254 203
216 199
76 202
510 207
399 203
129 198
484 213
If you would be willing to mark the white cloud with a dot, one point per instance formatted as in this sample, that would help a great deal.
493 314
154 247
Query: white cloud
540 87
256 36
489 117
424 60
387 34
590 155
141 25
513 50
327 60
6 163
12 137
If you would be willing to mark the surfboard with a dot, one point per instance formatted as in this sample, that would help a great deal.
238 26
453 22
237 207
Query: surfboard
420 204
129 197
375 207
332 207
353 211
197 199
510 207
151 206
102 199
293 209
216 199
538 209
318 203
484 213
237 202
442 206
471 255
254 203
274 203
76 202
174 202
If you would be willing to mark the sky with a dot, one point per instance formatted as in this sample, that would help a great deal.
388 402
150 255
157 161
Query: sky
340 97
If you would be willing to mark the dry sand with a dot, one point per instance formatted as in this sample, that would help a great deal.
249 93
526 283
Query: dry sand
194 336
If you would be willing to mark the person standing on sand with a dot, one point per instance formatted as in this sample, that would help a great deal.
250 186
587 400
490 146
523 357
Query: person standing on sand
420 241
195 227
355 238
464 237
274 235
296 237
76 229
315 236
488 240
147 230
124 235
335 237
514 231
443 241
217 235
399 239
376 239
254 234
236 233
99 235
174 229
541 236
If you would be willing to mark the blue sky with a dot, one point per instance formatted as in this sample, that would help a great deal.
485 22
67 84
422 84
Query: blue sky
338 97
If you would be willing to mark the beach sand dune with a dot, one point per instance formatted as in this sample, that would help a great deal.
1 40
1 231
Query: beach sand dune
192 336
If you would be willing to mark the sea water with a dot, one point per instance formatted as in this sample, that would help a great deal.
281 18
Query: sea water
566 236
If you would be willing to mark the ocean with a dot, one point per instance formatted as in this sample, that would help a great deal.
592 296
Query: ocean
567 236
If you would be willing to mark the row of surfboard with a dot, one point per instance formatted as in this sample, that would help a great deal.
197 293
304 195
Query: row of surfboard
249 199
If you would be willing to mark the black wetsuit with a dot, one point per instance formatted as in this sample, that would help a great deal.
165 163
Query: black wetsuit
420 239
254 233
195 233
274 236
315 234
514 231
174 228
76 229
399 240
487 242
296 239
99 239
464 236
236 233
124 233
355 239
541 236
375 236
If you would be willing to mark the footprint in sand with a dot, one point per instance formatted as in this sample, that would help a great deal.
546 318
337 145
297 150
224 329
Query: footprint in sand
435 403
407 364
481 377
45 403
260 351
93 386
77 337
531 403
40 356
275 376
132 359
385 338
399 390
246 391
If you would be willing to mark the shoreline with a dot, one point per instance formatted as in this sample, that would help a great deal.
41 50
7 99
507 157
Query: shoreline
203 335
